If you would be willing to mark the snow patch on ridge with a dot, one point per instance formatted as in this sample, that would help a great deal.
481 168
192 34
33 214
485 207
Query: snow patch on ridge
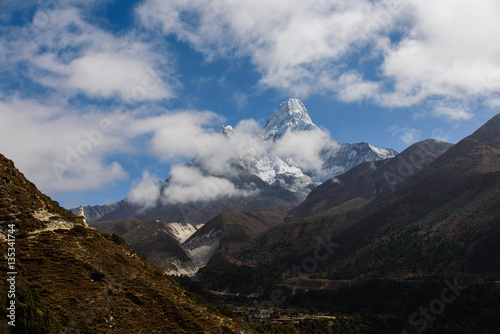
182 231
382 152
201 248
268 169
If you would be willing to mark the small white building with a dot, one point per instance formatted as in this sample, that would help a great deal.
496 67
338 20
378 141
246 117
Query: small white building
80 218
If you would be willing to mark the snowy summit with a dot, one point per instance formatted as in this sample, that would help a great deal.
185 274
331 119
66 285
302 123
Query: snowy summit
291 115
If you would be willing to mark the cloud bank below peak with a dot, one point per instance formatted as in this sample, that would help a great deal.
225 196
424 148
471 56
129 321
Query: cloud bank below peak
216 156
185 185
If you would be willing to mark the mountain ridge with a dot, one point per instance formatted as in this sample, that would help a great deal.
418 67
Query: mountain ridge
450 204
370 179
276 181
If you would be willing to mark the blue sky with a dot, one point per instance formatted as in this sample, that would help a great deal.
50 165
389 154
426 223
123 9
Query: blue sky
88 89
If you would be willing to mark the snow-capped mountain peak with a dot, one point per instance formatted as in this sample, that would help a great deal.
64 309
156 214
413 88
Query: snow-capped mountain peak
291 115
227 131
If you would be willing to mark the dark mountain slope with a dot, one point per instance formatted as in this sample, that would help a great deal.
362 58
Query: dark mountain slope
227 233
442 219
370 179
236 228
87 281
119 227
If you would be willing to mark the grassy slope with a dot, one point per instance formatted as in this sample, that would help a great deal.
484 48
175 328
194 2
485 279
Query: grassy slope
78 279
101 285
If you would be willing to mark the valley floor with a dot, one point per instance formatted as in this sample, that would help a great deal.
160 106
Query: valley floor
410 304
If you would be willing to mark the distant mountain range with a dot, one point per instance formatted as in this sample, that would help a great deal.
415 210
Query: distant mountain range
387 236
279 182
440 215
354 188
274 180
399 236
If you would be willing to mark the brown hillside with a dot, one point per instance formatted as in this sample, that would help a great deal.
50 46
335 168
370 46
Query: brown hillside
21 200
79 281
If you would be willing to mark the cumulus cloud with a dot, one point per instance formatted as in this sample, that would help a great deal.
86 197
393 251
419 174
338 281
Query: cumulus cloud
494 103
188 184
393 53
245 143
192 134
447 50
93 61
185 134
351 87
107 74
292 43
179 135
145 192
60 151
304 147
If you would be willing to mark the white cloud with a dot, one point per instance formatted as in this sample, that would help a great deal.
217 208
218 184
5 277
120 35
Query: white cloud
185 134
57 150
294 44
454 114
406 134
188 184
444 50
145 192
74 56
304 147
494 103
175 136
247 127
448 49
106 74
351 87
60 150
